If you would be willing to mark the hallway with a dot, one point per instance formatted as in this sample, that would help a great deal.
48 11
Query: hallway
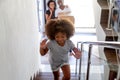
20 41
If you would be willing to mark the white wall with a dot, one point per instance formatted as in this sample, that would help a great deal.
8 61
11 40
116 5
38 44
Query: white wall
97 13
19 56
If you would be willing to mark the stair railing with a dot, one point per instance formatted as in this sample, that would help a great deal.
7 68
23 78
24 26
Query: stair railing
109 44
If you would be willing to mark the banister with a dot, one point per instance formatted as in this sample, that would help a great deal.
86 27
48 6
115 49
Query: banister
110 44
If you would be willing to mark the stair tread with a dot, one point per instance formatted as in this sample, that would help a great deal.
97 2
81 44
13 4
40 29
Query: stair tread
49 76
111 58
103 4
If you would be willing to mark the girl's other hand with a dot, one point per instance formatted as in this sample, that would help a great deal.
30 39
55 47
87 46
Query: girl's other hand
77 53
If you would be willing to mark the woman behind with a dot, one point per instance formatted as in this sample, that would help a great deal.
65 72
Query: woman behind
50 13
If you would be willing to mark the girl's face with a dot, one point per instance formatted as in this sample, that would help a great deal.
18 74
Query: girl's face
60 38
52 5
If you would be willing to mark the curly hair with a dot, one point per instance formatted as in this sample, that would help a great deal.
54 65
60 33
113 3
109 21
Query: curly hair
54 26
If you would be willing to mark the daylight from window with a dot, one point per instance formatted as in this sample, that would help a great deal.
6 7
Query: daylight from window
82 10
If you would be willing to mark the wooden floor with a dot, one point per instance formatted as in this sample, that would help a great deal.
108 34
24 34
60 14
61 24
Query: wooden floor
49 76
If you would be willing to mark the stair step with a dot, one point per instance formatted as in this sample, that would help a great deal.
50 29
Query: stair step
113 65
103 4
104 16
49 76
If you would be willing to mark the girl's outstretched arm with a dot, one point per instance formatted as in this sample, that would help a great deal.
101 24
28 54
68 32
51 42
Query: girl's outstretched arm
76 53
43 47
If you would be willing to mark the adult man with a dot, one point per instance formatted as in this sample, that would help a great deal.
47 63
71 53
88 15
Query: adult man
62 10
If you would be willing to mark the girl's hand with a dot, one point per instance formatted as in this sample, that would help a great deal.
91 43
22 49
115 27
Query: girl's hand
43 44
77 53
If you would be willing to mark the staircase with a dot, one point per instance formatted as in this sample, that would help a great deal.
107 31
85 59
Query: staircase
109 53
104 12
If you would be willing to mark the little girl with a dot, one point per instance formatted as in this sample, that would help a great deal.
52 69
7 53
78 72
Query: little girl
59 45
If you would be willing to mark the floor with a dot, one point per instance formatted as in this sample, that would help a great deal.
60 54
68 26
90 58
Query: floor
95 69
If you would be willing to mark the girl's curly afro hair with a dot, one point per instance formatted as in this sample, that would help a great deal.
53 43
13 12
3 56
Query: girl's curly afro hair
54 26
